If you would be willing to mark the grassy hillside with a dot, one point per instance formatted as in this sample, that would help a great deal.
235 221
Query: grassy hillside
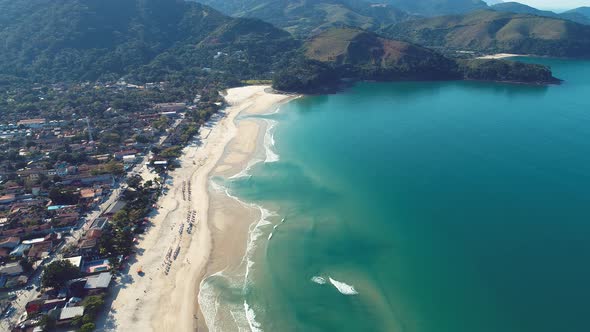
355 47
518 8
89 39
302 17
491 31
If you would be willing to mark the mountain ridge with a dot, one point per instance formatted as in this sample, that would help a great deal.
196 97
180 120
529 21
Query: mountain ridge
491 31
158 40
86 40
437 7
347 54
580 10
519 8
303 17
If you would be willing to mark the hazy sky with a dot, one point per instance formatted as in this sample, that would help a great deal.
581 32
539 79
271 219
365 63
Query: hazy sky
555 4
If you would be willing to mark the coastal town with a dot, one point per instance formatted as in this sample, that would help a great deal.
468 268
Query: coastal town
76 195
294 165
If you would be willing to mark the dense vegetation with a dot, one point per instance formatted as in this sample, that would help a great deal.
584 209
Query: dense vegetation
56 274
306 76
491 31
192 47
437 7
339 54
75 40
506 71
301 17
118 235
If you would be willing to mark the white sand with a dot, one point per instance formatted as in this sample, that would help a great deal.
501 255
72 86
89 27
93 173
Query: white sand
168 302
500 56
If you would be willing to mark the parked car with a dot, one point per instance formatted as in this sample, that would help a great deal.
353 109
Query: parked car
9 311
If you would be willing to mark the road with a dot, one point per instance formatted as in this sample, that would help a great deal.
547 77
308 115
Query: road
23 295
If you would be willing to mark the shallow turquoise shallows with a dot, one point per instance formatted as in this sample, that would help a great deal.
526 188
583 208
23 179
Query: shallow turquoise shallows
426 207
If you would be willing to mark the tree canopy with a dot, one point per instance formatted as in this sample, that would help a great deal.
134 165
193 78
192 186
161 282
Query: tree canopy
56 274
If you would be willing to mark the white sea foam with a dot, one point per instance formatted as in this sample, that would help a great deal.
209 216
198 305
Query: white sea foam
318 280
240 319
270 155
246 171
251 317
275 111
273 231
254 235
217 187
343 287
255 232
269 142
208 301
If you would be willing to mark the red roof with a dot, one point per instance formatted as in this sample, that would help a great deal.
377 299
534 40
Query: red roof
14 231
38 249
10 239
94 234
126 152
88 243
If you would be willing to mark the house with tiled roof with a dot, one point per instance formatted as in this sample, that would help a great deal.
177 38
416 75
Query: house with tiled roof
10 242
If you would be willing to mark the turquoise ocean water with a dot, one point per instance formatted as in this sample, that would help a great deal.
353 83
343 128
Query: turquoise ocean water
422 207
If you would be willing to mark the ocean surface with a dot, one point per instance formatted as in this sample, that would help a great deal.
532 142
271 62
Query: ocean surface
419 207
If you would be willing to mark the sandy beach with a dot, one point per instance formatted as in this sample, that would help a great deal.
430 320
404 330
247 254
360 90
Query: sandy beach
500 56
165 297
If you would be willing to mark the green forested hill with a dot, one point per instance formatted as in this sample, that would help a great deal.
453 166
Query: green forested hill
149 40
436 7
492 31
302 17
353 54
47 40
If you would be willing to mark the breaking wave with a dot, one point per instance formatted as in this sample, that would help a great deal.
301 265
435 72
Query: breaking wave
318 280
269 142
343 287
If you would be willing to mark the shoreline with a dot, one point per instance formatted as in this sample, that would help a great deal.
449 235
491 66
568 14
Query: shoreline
235 222
159 301
499 56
